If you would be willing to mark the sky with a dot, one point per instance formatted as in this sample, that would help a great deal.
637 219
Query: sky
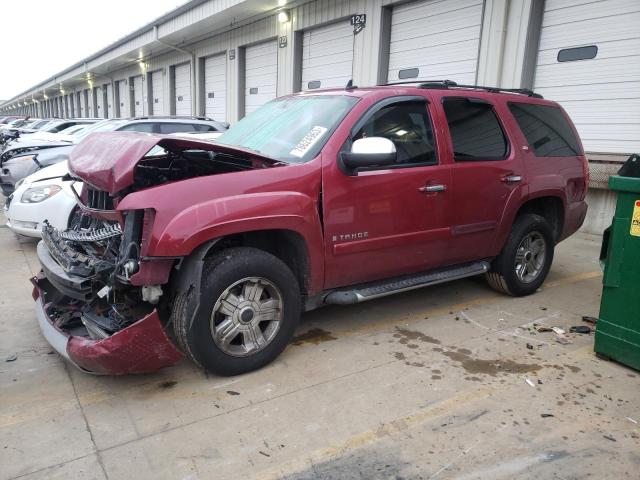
39 38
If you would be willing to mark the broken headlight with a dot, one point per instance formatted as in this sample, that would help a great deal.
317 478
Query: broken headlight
38 194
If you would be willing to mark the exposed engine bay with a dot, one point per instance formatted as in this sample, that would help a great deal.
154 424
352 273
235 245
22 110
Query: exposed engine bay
174 166
90 264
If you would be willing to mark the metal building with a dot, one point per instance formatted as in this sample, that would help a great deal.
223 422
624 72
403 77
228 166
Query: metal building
225 58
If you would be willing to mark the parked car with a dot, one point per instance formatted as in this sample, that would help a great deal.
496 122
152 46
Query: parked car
42 195
212 249
47 195
24 159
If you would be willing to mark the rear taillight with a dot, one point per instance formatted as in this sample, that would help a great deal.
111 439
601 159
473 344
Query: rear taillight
585 169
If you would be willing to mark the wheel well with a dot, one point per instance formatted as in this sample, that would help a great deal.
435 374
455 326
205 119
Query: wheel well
550 208
287 245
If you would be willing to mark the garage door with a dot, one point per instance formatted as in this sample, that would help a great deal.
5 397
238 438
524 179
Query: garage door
435 40
215 87
327 56
99 103
157 93
589 61
72 112
79 104
123 100
183 90
83 103
88 102
109 107
261 75
138 103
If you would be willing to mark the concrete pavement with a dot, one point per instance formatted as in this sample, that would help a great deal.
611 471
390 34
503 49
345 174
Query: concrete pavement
426 384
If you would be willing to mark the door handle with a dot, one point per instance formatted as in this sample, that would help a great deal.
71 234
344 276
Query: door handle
511 178
432 188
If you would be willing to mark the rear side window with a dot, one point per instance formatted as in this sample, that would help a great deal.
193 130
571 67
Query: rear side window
475 130
176 127
200 127
138 127
546 130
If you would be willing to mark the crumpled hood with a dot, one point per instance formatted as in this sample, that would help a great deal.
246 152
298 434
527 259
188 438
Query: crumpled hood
107 160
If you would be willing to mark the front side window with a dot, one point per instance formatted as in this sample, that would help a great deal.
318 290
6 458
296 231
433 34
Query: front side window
407 125
546 130
290 129
475 131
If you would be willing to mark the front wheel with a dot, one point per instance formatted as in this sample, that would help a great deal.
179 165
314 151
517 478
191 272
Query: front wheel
526 258
249 309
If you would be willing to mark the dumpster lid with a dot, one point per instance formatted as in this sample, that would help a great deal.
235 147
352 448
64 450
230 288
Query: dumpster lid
624 184
631 167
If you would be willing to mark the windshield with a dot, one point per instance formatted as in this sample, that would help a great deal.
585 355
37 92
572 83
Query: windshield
290 129
103 126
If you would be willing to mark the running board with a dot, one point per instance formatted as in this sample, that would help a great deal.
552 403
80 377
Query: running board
382 288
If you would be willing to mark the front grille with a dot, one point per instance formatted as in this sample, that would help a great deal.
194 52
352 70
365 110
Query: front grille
71 261
99 200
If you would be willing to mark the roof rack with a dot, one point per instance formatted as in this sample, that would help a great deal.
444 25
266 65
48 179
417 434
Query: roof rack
447 84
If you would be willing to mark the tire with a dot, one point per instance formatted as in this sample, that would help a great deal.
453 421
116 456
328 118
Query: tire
519 270
232 332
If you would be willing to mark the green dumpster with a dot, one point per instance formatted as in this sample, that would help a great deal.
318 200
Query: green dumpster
618 327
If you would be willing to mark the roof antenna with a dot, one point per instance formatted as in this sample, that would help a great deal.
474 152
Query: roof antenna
350 85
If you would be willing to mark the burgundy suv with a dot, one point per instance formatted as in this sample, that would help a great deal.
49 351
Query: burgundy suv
213 250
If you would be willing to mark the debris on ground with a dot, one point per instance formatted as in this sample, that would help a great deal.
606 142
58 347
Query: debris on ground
529 346
558 330
609 438
580 329
588 319
530 382
231 392
262 453
631 420
563 340
539 382
541 327
12 358
546 415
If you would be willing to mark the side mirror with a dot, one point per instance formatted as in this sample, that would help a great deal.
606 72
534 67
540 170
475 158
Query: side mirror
369 152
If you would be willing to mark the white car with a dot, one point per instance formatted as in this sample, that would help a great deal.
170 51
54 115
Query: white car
42 195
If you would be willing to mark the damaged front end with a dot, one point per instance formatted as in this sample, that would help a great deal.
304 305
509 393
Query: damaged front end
87 306
103 298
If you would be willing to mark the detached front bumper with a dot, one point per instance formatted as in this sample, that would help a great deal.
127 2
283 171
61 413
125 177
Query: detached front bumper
142 347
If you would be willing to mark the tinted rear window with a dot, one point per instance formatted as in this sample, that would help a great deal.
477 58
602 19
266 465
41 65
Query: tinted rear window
546 129
475 131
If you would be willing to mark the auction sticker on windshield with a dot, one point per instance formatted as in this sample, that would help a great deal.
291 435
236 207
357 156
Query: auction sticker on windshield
308 141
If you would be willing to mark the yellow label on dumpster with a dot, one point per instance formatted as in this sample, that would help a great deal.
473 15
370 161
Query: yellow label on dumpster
635 219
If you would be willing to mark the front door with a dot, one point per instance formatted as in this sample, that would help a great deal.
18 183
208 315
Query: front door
392 220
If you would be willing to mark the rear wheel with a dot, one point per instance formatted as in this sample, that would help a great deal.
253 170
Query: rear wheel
526 258
249 308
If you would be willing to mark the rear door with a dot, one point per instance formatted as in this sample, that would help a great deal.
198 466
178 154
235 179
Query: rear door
383 222
487 169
